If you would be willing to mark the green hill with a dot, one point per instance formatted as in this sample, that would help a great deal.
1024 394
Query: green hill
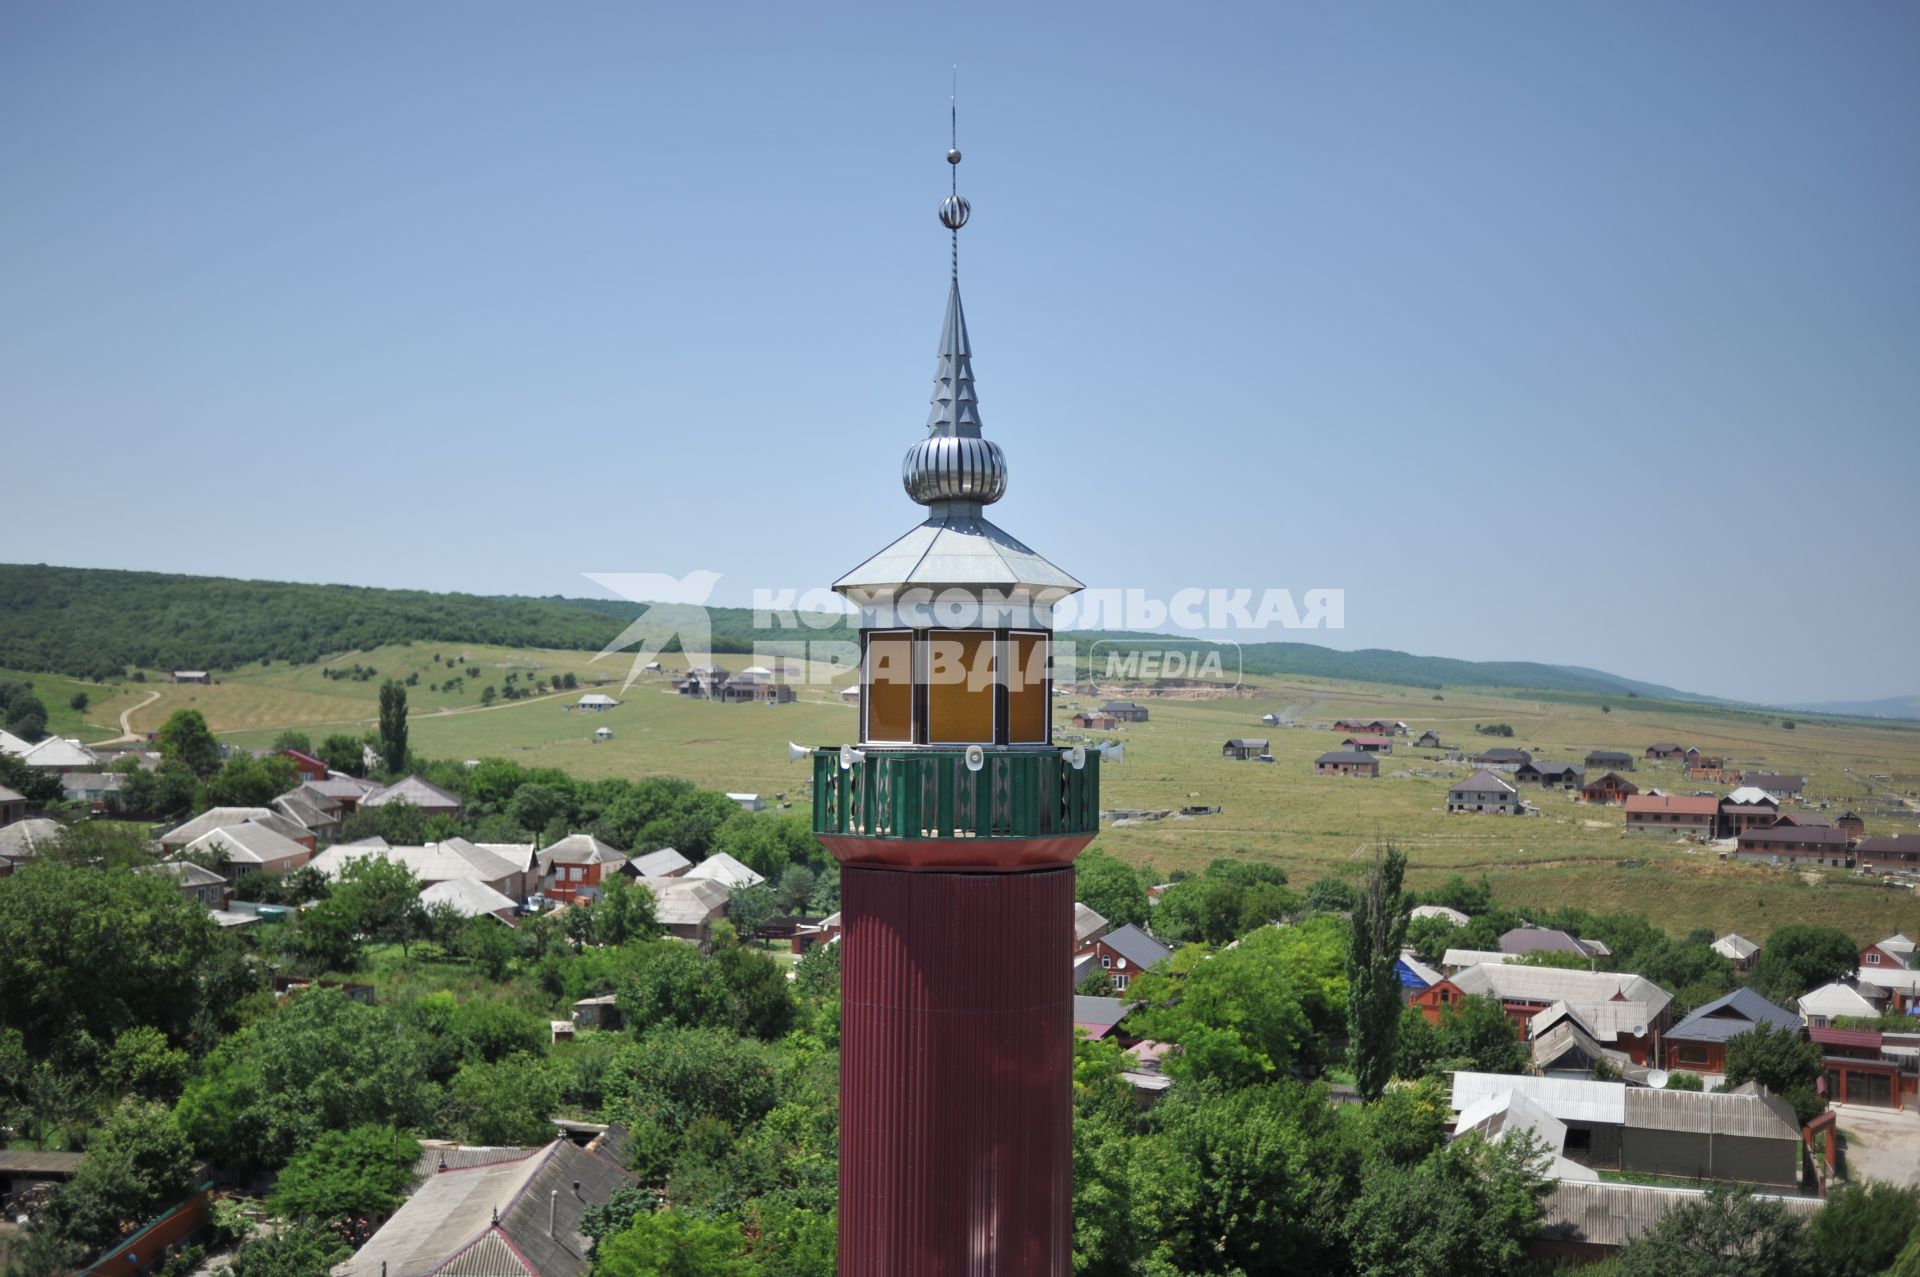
99 623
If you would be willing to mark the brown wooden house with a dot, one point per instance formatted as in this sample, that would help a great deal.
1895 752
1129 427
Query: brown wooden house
1612 789
1346 762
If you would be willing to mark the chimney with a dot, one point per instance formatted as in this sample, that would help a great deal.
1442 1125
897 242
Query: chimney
553 1205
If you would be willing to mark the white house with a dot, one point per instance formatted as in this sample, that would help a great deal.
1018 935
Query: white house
595 701
748 802
725 870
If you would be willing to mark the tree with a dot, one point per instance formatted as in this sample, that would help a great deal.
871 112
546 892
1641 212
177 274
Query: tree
294 740
143 1063
1237 1016
1863 1228
1476 1029
672 1243
349 1180
1781 1061
1374 998
79 701
511 1101
1108 887
487 944
27 717
247 781
1470 1207
137 1162
796 888
1798 957
185 738
73 961
752 907
342 753
393 725
1727 1231
1332 895
304 1250
623 912
380 898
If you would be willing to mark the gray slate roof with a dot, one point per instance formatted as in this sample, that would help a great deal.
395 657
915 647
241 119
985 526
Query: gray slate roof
1482 782
1347 756
1603 1214
490 1220
1105 1012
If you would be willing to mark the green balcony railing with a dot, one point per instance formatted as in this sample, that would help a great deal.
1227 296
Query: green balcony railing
930 793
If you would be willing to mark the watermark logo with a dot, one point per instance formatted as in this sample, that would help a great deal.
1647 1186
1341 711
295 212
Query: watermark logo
676 609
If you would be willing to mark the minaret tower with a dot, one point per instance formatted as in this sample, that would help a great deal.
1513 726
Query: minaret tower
955 821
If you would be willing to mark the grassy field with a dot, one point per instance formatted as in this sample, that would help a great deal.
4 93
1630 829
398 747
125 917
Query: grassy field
1280 812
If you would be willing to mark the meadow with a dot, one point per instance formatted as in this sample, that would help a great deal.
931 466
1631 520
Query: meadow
1312 826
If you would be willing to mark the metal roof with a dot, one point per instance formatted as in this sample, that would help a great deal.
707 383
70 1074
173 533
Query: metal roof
1836 999
1345 756
1481 782
580 849
1085 922
1136 946
663 863
28 1163
1568 1099
1728 1017
685 902
1101 1013
467 897
413 789
1734 946
958 548
1554 984
252 843
727 871
211 819
1755 1113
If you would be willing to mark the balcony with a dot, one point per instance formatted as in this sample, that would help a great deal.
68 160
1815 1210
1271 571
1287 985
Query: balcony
928 795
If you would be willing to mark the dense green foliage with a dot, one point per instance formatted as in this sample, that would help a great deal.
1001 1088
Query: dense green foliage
1783 1062
1798 958
1375 997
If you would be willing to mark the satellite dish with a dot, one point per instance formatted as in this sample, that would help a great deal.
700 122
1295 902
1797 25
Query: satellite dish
1639 1030
1657 1078
849 756
976 758
796 752
1077 757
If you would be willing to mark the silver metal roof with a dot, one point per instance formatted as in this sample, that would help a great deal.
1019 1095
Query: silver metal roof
957 548
1567 1099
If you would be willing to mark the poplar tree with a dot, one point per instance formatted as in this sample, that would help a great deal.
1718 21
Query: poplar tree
1373 986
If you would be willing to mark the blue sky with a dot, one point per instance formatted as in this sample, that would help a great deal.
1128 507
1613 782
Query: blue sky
1578 332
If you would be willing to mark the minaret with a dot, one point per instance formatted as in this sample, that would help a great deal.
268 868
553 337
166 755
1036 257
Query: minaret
955 821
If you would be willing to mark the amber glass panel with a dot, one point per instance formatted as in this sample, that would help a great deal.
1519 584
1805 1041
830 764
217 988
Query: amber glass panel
960 686
1027 688
889 691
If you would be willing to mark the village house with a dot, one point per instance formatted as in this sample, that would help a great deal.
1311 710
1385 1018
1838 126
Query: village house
308 767
429 798
1695 759
1820 1007
664 863
1612 759
470 898
1502 758
1852 823
754 685
687 908
1522 941
100 791
1611 789
1125 711
1621 1011
510 1212
1452 915
1088 926
1095 720
1665 749
725 870
1737 949
1369 744
1776 784
575 866
1672 814
183 835
1429 739
1367 727
1898 988
1124 953
1244 749
1414 974
198 885
1792 845
60 756
192 676
1698 1043
1549 775
345 791
22 840
312 811
1484 792
1748 808
595 702
12 806
1895 951
451 860
1460 959
1898 854
1346 762
1746 1135
1868 1066
249 848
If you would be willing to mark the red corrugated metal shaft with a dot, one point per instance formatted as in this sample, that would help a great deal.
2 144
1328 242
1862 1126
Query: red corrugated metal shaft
956 1074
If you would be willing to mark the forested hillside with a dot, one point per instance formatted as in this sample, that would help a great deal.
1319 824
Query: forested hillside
99 623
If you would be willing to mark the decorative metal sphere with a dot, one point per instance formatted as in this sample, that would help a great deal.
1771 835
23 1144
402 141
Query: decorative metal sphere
954 468
953 157
953 212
